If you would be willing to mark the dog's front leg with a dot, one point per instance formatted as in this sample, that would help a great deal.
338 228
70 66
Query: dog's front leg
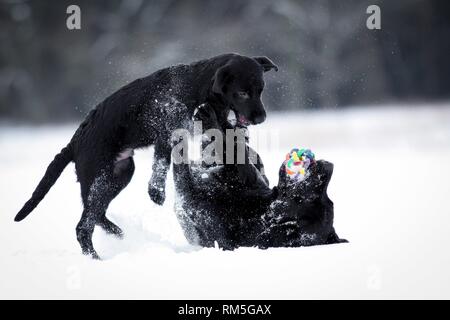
161 164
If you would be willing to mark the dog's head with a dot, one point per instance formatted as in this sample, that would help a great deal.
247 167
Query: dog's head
240 83
315 184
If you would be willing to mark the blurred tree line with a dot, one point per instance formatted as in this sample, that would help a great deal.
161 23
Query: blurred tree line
327 56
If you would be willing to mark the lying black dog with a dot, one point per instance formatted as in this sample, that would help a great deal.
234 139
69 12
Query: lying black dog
232 204
144 113
302 213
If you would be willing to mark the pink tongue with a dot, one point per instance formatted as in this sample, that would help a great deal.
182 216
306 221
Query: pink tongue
243 120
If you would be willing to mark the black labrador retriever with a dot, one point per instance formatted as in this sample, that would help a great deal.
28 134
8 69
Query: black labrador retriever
232 204
144 113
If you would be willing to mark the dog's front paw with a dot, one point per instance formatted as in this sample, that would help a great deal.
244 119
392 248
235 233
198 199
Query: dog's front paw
158 195
334 238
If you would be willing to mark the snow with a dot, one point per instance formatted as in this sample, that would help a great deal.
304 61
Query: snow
390 190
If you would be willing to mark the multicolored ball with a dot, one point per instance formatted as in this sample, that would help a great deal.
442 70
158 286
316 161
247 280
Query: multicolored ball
297 163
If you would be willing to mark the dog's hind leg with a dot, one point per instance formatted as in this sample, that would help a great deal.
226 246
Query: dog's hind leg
96 201
85 229
101 192
109 226
122 174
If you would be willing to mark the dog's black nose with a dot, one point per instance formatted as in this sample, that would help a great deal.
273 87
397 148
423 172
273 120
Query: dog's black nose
326 166
259 118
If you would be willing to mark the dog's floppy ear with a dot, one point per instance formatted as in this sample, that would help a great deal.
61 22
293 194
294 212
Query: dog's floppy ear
266 63
221 78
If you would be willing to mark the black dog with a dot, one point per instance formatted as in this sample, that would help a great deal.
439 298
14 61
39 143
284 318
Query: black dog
144 113
233 205
302 213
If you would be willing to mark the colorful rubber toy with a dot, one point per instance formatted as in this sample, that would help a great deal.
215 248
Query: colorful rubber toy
297 163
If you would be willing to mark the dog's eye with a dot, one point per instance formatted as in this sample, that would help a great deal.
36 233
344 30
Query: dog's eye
243 95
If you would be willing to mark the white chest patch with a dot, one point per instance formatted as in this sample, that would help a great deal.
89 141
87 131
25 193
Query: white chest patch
232 119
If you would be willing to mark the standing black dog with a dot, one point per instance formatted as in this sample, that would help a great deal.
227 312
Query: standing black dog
144 113
232 204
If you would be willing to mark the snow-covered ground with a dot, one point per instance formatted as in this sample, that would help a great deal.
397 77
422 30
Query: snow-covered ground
390 188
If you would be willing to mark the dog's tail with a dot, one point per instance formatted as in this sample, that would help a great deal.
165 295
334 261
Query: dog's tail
54 170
